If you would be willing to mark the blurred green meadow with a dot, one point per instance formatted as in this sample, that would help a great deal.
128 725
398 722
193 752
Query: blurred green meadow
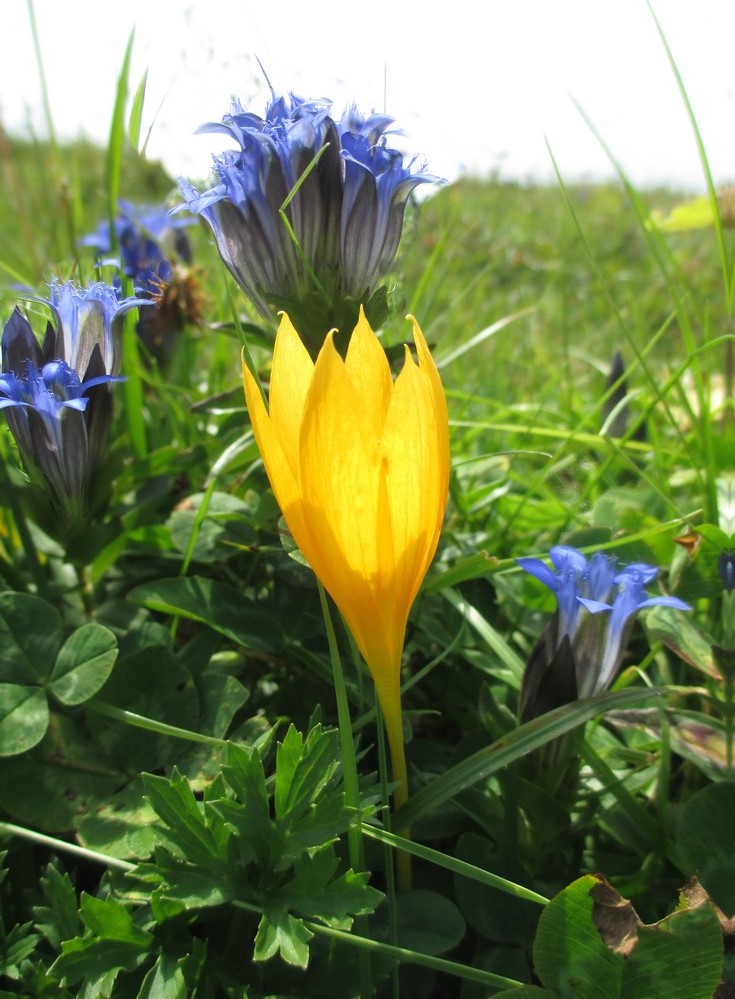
173 819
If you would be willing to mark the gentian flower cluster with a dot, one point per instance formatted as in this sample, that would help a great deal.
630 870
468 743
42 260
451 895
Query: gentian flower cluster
152 246
344 191
143 234
56 397
581 651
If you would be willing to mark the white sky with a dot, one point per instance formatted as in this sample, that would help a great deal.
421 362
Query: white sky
475 88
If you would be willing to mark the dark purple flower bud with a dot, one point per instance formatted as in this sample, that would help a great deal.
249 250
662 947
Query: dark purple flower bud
59 414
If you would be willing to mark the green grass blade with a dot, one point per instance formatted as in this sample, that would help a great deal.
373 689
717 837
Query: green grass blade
513 746
116 144
136 113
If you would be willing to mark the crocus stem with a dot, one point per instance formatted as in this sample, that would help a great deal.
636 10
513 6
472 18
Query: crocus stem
390 706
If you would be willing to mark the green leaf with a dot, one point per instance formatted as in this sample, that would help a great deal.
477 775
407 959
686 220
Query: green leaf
95 962
243 771
427 922
165 980
59 919
179 886
495 914
224 527
219 606
107 917
83 664
111 942
151 683
303 770
704 836
53 786
569 954
220 697
315 895
122 825
281 933
677 958
24 718
678 632
30 638
186 828
16 948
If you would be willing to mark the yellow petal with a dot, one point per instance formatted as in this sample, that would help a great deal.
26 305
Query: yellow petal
340 477
278 465
291 374
413 480
369 372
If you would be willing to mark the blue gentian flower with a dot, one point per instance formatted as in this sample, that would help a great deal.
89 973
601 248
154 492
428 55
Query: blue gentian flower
347 192
89 317
148 237
155 253
377 186
55 396
596 607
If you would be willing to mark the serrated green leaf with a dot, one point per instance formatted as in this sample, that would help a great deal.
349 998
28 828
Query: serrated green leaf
24 718
303 769
17 947
186 828
324 821
96 962
250 815
183 886
83 664
109 918
111 942
315 895
165 980
219 606
281 933
59 919
30 638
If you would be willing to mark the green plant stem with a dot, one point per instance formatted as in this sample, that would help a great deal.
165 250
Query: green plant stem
390 879
151 725
452 864
415 957
60 845
349 768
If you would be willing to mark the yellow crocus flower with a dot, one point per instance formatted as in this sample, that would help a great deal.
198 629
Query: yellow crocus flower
359 464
